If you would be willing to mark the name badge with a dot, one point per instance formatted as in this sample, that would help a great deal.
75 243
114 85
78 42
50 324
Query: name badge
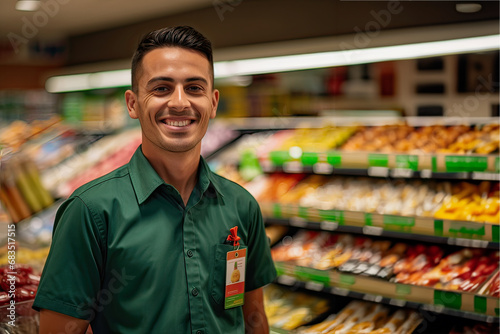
235 278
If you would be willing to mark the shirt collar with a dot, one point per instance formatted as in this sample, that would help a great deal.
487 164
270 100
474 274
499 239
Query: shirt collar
145 180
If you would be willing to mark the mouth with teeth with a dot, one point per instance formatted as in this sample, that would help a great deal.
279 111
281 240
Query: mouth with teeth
177 124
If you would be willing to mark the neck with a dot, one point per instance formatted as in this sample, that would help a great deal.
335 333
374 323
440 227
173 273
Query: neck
177 169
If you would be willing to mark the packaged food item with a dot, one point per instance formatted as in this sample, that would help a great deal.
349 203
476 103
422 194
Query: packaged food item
289 310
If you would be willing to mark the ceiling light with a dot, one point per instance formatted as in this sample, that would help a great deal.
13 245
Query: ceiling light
28 5
468 7
226 69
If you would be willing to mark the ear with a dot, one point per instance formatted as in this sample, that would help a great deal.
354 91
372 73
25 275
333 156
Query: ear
215 103
131 100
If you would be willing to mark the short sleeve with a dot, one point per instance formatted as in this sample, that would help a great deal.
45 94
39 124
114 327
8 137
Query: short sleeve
260 269
71 277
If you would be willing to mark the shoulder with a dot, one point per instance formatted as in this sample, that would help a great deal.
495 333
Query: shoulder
232 191
104 186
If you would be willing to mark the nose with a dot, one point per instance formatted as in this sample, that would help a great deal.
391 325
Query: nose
178 99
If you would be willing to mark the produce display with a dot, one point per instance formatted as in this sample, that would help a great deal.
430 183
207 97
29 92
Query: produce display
465 201
289 310
20 132
21 190
312 139
492 287
416 264
472 202
366 317
426 139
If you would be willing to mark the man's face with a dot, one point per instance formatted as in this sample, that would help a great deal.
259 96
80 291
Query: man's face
174 99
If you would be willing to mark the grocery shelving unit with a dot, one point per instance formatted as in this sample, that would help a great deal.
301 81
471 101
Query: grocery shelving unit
430 230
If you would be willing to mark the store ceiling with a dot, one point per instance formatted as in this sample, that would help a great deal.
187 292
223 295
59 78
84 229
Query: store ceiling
73 17
63 18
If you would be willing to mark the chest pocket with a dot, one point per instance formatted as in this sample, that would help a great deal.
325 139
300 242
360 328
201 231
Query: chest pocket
218 272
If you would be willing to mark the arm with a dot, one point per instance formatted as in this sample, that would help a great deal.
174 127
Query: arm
253 312
54 322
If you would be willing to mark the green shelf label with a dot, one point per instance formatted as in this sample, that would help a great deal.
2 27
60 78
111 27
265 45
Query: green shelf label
368 219
497 164
480 304
303 212
456 163
347 279
279 269
334 159
495 233
448 299
434 164
277 210
378 160
316 275
309 158
400 223
407 161
403 289
466 229
332 216
438 228
301 274
278 158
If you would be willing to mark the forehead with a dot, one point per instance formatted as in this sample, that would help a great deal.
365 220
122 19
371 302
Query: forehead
175 61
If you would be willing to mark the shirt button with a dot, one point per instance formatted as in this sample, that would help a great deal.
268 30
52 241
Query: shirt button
194 292
190 253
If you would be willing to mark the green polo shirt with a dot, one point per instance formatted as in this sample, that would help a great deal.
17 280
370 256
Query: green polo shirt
128 256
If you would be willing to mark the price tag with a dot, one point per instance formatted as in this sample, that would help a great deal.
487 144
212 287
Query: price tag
329 226
378 171
313 286
322 168
373 230
298 222
425 173
339 291
293 167
401 173
286 280
485 176
397 302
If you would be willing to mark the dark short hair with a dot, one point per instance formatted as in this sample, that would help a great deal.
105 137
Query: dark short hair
180 36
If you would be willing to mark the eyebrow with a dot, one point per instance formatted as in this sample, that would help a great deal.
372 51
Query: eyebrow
169 79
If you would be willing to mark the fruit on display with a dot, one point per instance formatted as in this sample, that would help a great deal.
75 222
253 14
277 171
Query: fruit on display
19 132
472 202
481 140
100 158
402 138
366 317
315 139
19 287
416 264
465 201
289 310
492 287
21 190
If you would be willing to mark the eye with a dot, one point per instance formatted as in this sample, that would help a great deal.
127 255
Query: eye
195 89
160 89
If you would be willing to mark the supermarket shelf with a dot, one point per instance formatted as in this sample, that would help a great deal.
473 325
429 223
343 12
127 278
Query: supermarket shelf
427 229
462 304
437 166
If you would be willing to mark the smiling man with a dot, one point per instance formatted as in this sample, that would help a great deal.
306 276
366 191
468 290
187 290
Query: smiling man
147 248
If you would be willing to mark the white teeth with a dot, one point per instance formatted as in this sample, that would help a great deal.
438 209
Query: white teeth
177 123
